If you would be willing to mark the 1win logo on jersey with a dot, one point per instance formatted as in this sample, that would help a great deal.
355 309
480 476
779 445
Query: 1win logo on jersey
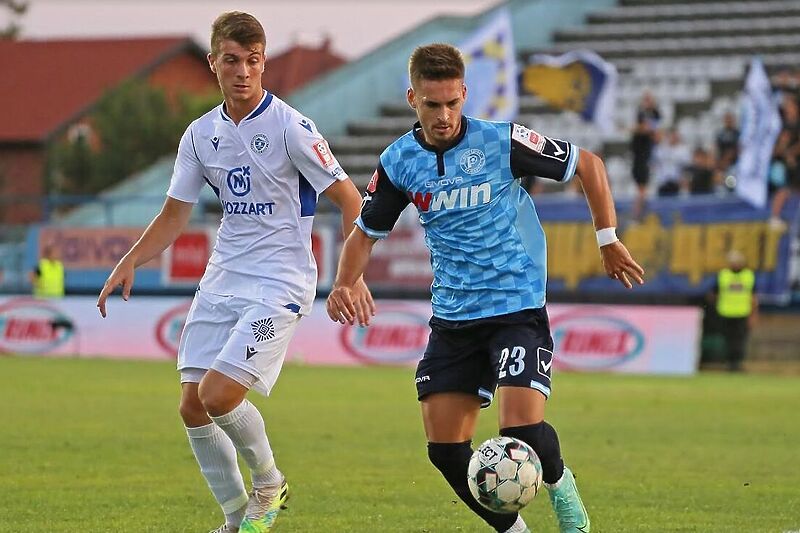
239 180
472 161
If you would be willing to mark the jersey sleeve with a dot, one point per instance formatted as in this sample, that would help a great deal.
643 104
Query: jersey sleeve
187 177
533 154
311 155
381 206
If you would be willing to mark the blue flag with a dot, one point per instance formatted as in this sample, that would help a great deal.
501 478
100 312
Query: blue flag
579 81
761 124
491 76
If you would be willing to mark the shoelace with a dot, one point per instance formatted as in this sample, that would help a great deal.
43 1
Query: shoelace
258 504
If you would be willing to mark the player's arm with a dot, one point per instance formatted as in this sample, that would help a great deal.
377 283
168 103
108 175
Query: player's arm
312 156
162 231
617 261
184 192
381 208
341 304
345 196
533 154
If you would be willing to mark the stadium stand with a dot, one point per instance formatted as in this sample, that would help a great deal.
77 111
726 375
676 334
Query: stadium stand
690 59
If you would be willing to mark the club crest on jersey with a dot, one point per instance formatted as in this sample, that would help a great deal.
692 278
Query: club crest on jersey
472 161
259 143
215 143
239 180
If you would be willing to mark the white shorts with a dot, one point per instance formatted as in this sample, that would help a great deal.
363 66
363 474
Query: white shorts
243 338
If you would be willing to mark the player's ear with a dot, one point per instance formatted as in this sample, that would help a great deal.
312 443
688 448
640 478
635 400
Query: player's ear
463 91
410 98
211 63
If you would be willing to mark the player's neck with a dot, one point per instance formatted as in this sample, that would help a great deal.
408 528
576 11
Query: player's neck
238 109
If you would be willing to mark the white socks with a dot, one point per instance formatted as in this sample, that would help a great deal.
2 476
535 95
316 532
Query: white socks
519 526
245 427
216 456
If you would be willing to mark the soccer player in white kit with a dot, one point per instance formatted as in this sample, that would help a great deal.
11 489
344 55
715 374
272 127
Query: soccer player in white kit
267 163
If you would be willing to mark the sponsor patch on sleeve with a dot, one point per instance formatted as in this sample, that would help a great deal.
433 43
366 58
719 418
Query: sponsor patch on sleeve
373 183
528 138
323 153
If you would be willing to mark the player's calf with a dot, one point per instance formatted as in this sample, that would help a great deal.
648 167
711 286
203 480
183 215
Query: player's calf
560 483
452 460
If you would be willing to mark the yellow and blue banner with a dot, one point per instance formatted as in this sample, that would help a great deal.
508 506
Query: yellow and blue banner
491 76
579 81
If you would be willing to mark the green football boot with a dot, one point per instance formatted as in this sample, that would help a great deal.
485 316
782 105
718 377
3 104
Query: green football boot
572 516
263 508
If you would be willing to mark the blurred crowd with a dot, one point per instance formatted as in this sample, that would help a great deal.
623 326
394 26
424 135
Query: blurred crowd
662 163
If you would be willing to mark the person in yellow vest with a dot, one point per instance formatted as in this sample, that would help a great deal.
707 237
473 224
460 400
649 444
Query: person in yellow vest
737 307
48 276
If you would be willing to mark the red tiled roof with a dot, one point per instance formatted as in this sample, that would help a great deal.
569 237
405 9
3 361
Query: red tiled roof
297 66
46 84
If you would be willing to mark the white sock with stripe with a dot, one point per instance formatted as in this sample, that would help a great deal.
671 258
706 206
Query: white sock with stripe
245 426
216 456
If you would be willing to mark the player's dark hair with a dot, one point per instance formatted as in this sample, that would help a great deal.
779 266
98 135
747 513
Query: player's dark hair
436 61
242 28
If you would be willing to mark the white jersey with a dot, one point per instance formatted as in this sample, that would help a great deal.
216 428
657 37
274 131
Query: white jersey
267 172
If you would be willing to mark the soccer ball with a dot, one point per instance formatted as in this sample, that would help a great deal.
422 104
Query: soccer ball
504 474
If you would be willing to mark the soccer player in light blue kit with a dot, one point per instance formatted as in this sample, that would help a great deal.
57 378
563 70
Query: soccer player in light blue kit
267 163
489 327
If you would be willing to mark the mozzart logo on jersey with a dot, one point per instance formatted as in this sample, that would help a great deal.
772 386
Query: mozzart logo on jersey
461 197
32 326
395 336
239 183
593 340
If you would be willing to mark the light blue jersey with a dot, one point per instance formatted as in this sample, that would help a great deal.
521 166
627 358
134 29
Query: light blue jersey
488 249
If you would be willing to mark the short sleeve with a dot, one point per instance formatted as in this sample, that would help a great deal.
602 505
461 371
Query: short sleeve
187 177
382 205
311 155
533 154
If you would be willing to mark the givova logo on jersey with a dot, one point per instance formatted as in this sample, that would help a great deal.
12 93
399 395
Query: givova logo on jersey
461 198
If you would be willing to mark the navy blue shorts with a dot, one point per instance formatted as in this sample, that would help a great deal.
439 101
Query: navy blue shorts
477 356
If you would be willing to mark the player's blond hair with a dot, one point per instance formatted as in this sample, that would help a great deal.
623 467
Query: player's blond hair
436 61
239 27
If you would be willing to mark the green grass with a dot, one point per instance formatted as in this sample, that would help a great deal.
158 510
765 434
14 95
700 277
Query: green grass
92 445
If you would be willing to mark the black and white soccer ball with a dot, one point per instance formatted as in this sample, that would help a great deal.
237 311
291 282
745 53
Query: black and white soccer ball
504 474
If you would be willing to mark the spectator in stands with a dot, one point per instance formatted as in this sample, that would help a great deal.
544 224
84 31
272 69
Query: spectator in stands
727 143
670 159
785 158
737 307
47 277
648 118
702 175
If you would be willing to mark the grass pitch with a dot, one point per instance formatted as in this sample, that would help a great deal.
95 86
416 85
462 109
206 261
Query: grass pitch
93 445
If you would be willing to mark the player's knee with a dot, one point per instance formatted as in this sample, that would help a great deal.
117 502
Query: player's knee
217 401
192 411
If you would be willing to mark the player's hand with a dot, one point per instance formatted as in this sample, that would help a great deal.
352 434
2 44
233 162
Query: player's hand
340 305
620 265
121 275
364 304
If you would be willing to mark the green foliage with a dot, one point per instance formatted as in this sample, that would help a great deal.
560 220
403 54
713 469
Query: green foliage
135 125
94 445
